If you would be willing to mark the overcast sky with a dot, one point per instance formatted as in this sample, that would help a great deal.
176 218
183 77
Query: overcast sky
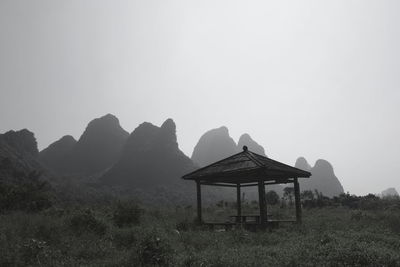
319 79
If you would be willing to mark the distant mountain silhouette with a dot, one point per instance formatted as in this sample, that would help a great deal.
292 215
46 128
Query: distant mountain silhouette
22 141
323 178
246 140
98 148
150 158
56 156
217 144
302 164
214 145
390 192
18 151
253 146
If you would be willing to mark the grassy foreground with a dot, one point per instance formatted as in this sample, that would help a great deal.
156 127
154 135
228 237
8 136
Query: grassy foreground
126 235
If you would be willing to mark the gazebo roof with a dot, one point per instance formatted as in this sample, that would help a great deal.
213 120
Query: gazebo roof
246 167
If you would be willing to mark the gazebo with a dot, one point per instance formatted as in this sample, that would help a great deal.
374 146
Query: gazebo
246 169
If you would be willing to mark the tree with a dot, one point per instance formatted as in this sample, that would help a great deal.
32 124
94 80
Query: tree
307 195
28 193
288 193
272 197
308 198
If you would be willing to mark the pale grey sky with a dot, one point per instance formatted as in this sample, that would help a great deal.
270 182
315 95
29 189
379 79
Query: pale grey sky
319 79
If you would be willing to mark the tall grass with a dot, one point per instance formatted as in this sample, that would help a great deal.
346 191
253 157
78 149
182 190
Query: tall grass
91 236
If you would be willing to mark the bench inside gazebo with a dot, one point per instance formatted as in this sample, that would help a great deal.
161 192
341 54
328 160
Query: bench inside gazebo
247 169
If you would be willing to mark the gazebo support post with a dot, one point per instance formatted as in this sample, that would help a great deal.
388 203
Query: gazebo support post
261 201
198 187
297 200
239 203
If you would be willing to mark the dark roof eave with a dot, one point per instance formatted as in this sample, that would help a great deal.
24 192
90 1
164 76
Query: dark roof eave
249 172
260 170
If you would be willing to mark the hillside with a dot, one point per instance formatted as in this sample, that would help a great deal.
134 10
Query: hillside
150 158
97 149
322 179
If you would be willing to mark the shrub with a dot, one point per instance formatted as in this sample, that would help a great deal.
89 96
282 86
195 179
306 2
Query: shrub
87 222
185 225
361 254
153 249
288 194
392 220
357 215
272 197
127 214
371 202
125 237
31 195
31 250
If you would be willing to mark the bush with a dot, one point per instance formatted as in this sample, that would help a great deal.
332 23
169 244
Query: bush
186 225
153 249
31 250
371 202
125 238
31 195
361 254
127 214
392 220
272 197
86 222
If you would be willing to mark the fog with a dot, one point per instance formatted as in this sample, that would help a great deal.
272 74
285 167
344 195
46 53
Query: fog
318 79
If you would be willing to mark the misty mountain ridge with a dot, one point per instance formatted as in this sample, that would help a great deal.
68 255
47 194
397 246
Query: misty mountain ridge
253 146
214 145
150 158
55 156
97 149
322 179
146 158
217 144
18 151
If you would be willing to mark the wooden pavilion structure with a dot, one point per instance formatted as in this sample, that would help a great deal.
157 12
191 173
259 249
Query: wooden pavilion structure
243 170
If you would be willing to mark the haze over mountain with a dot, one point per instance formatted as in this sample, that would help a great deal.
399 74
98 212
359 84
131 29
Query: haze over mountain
216 144
246 140
150 158
302 164
98 148
322 179
56 156
390 192
301 76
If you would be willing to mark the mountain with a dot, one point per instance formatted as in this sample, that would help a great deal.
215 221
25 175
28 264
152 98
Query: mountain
390 192
151 158
214 145
55 156
322 179
98 148
18 151
302 164
246 140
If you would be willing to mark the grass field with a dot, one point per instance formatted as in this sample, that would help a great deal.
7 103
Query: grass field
128 235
